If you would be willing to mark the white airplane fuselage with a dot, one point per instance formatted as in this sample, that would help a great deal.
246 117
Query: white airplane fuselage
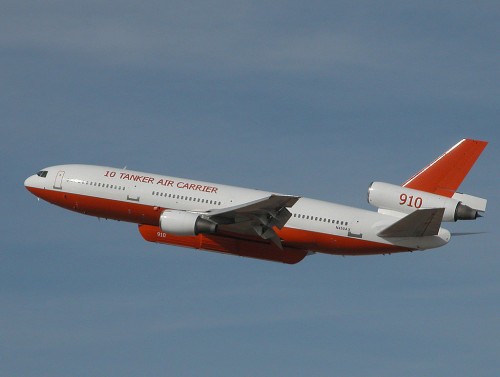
315 226
266 225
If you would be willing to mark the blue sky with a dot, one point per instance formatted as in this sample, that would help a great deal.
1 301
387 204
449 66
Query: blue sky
316 99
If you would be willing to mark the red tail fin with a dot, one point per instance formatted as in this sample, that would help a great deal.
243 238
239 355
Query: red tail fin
446 173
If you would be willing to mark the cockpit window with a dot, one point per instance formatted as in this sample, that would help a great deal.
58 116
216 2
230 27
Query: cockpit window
42 173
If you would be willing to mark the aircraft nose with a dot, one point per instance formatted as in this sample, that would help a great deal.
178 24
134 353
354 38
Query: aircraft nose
30 183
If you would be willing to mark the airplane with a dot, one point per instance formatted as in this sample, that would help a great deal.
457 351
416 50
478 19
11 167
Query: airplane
266 225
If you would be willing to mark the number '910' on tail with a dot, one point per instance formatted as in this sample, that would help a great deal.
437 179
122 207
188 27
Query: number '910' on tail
435 187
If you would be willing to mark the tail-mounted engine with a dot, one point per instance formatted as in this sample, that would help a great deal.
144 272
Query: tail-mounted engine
401 199
184 223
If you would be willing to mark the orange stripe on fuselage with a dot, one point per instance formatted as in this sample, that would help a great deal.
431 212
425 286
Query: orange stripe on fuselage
149 215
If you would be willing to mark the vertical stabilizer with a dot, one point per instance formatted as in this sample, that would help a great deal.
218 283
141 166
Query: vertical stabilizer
446 173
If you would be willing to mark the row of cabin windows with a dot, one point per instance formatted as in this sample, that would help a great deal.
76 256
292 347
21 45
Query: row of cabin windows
187 198
200 200
97 184
322 219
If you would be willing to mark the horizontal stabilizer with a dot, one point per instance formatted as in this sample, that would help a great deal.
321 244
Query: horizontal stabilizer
421 223
466 233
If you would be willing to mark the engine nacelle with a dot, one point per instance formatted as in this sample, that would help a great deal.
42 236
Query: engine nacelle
184 223
402 199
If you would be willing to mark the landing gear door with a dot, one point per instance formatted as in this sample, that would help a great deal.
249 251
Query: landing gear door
58 180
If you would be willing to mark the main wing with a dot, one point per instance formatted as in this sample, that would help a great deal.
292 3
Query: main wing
257 217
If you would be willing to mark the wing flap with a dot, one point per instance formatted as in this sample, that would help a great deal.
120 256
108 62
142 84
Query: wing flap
421 223
259 216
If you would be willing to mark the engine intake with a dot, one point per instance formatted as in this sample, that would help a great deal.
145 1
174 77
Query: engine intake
185 223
